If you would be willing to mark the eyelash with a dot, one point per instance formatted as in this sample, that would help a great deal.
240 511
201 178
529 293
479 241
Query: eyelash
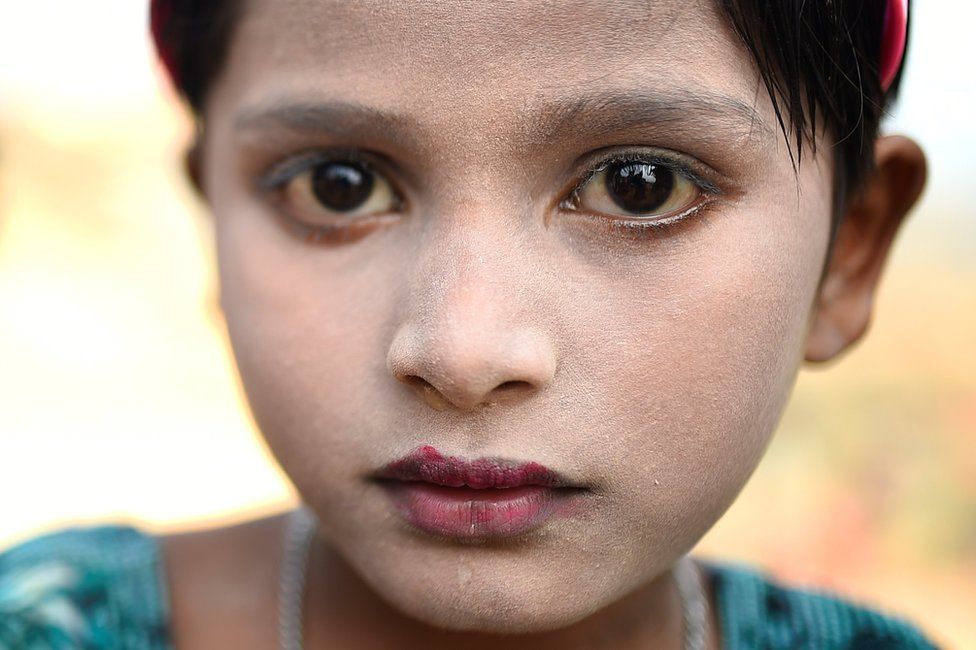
278 176
281 173
646 228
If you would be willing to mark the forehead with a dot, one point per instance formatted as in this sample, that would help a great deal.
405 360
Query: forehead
471 61
481 36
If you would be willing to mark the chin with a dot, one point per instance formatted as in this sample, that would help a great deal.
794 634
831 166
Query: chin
491 612
491 591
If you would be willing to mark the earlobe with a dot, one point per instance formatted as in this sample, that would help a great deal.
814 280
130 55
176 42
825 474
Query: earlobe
842 312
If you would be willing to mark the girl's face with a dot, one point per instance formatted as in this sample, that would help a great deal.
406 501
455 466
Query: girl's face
415 249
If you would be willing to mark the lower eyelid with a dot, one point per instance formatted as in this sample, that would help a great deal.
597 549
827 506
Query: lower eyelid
642 229
335 234
642 233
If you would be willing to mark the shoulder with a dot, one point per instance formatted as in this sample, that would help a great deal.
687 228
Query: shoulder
756 611
83 587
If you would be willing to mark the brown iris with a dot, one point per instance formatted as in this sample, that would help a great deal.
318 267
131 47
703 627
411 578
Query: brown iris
341 186
639 187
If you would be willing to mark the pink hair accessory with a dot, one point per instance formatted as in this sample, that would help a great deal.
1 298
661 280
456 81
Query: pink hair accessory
893 36
160 14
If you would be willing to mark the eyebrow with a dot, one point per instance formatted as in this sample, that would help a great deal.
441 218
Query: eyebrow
601 114
587 117
331 117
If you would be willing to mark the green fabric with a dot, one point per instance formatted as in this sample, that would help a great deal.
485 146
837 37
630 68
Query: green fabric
103 587
757 612
97 587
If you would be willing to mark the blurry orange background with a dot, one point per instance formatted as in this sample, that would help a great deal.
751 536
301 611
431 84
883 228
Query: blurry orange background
118 399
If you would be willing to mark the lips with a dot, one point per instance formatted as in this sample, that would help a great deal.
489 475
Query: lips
485 498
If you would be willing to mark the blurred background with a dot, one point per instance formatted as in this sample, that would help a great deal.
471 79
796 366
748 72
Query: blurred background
118 400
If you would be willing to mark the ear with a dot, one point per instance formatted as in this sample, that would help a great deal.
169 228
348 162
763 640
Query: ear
842 311
192 167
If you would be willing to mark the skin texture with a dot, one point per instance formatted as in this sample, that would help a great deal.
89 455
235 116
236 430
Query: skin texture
483 317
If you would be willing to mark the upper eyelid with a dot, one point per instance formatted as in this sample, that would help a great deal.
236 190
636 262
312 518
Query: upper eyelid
672 163
280 173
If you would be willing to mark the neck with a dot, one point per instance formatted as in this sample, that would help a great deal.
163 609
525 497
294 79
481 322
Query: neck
342 611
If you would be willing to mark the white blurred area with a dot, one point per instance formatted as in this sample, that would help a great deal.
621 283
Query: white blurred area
118 399
117 395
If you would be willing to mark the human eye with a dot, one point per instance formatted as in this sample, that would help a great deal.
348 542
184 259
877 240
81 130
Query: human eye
332 196
641 191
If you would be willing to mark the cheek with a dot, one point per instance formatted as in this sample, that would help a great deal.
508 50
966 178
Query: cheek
694 362
306 336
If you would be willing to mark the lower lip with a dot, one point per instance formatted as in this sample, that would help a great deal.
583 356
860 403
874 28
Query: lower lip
467 513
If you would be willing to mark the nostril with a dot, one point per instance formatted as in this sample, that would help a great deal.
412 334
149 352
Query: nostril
511 386
427 391
510 392
417 382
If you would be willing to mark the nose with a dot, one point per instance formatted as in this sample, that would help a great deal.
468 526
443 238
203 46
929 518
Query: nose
470 367
470 339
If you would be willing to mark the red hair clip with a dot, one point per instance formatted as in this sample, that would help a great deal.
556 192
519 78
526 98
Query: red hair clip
893 36
160 14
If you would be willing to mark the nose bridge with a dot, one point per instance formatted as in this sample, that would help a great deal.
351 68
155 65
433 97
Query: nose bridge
464 278
467 337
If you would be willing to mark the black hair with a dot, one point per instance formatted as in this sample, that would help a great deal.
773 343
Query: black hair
818 61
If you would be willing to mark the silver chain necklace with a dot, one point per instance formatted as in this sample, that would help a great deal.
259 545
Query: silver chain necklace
300 529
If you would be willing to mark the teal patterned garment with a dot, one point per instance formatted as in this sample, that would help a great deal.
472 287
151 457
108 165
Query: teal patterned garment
103 587
97 587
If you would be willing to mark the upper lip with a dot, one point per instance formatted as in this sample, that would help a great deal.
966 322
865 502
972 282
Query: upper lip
427 464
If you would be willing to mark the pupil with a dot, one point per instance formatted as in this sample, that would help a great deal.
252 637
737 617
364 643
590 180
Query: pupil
341 186
639 187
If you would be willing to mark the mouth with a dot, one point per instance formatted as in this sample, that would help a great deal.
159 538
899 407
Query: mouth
485 498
